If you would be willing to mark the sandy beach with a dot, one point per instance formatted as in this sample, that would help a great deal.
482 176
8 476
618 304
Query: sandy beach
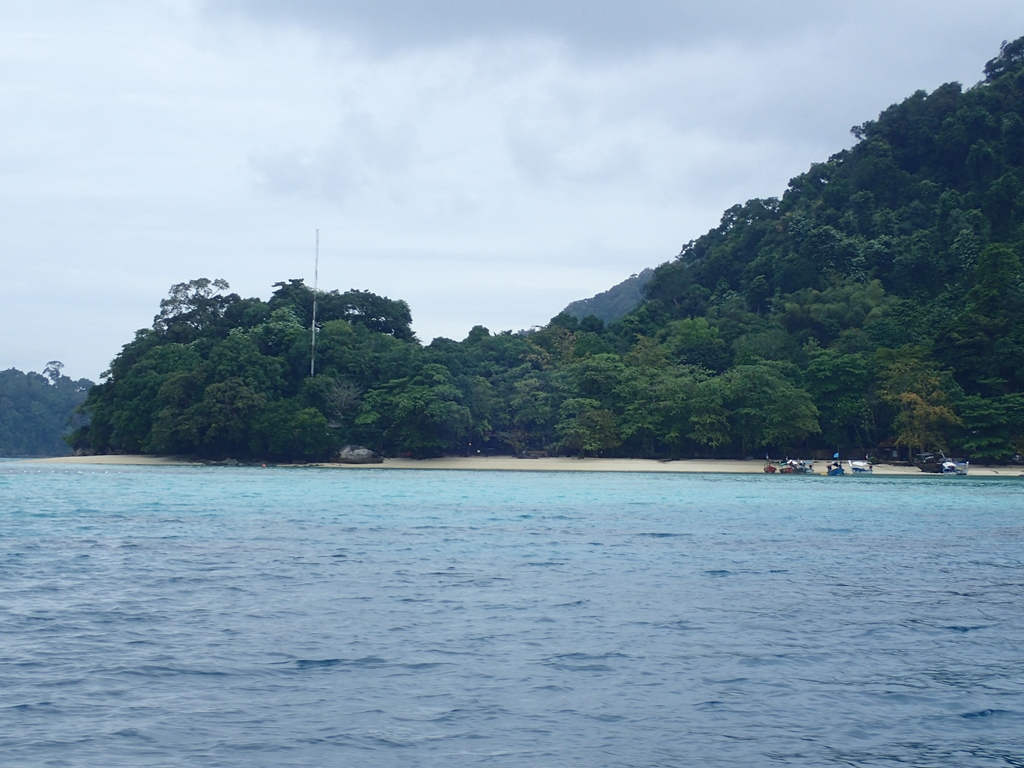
550 464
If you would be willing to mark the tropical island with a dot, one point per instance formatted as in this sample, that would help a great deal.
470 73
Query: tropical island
872 309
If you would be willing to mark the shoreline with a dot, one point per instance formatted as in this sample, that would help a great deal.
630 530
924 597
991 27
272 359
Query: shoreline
513 464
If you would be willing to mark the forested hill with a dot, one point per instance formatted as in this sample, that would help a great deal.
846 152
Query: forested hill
874 305
889 275
37 410
615 303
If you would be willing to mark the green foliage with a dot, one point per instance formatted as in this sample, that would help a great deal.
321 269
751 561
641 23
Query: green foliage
221 376
37 410
766 408
890 276
376 313
584 426
285 430
840 384
992 428
615 303
696 342
422 415
921 394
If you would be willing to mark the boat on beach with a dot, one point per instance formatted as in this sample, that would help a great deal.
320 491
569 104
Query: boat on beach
954 467
789 467
860 466
940 464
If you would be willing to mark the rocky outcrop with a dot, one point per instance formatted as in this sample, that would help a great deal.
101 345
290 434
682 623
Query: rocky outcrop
357 454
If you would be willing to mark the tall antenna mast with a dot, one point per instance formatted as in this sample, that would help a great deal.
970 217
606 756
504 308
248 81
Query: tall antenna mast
312 329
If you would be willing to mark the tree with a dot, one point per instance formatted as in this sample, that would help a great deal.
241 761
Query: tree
192 308
529 409
657 397
377 313
585 426
422 415
52 370
993 428
696 342
709 422
287 430
1010 59
766 409
840 385
336 397
920 393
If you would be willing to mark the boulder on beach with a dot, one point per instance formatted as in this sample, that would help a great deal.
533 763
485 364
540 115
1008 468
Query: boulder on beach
357 454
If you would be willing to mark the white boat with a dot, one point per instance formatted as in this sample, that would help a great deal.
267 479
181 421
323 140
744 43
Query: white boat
954 467
860 467
789 467
939 464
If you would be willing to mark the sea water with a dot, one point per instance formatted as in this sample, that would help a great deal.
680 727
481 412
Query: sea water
303 617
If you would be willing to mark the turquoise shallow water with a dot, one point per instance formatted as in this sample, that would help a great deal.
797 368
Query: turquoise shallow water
301 617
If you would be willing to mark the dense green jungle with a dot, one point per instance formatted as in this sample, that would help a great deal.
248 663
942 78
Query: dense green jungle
37 409
874 306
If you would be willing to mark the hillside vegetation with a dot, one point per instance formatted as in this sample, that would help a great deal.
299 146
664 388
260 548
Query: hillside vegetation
876 302
615 303
37 410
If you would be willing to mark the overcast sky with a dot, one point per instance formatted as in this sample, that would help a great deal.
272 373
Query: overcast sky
488 162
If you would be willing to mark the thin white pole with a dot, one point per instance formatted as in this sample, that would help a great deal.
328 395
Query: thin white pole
312 332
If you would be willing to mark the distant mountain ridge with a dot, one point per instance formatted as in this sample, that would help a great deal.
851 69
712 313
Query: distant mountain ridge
615 303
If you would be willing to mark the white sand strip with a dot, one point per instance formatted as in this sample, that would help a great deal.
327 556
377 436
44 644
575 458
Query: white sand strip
551 464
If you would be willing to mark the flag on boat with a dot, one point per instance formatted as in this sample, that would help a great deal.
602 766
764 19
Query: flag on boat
835 455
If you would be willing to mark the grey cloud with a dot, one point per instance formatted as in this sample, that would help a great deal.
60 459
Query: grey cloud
593 160
595 26
365 156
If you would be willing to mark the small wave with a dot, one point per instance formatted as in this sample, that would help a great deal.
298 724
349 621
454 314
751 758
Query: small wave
366 661
582 667
42 705
582 662
713 704
422 666
135 733
546 564
679 625
586 656
164 671
984 713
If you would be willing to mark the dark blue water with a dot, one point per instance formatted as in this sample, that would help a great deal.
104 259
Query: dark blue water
300 617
